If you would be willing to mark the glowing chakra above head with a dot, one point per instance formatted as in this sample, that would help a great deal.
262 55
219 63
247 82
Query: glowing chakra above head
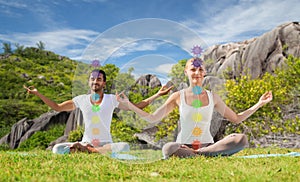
96 63
197 50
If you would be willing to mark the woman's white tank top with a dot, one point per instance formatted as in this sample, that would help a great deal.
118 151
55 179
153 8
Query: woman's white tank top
195 122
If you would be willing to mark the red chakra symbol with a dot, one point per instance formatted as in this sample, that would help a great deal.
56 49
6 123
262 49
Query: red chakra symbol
96 142
196 144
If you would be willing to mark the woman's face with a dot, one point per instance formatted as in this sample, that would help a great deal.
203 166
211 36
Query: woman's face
195 74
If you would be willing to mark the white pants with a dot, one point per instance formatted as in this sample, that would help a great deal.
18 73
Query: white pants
64 148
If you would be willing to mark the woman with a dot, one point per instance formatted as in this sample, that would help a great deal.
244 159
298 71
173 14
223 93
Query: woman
196 108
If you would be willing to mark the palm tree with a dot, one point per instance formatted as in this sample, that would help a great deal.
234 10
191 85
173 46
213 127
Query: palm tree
7 48
41 45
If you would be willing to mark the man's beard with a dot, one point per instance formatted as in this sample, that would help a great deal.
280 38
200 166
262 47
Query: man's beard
97 89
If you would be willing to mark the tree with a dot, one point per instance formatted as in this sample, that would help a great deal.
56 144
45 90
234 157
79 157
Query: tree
19 48
177 73
7 48
41 45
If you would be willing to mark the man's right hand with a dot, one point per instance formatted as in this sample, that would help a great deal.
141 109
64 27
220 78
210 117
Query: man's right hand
31 89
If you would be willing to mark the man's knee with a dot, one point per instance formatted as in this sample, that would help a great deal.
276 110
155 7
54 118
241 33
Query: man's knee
61 149
120 147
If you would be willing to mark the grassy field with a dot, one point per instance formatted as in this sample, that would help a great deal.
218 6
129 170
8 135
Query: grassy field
45 166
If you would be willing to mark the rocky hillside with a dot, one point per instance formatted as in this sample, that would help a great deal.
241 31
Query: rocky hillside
254 56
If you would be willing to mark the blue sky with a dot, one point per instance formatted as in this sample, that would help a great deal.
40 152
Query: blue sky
150 35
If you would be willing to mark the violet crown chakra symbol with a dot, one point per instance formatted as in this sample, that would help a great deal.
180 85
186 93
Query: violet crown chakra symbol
96 63
198 62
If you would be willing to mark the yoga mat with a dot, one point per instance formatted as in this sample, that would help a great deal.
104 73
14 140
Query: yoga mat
124 156
291 154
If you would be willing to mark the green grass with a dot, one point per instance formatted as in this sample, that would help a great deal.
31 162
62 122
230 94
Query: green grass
45 166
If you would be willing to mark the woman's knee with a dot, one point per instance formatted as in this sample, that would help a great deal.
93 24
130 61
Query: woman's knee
240 139
169 149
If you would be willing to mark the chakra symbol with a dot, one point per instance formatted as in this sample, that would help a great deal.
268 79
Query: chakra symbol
95 131
197 90
95 63
95 97
197 117
95 119
197 50
197 131
196 144
95 108
96 142
95 74
196 103
197 62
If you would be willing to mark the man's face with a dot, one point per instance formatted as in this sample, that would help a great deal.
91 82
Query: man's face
96 82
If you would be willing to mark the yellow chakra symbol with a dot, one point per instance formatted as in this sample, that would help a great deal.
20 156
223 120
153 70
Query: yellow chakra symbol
197 131
95 119
197 117
95 131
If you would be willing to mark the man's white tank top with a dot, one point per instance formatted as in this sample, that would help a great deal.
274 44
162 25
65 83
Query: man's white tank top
195 122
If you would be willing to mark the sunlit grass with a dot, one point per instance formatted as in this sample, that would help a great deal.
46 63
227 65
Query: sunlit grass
45 166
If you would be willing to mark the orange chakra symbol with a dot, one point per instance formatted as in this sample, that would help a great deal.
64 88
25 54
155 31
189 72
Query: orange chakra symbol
197 131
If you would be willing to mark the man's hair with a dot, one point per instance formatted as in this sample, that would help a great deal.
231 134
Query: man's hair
98 72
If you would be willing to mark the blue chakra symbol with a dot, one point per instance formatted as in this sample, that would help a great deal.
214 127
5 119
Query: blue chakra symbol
95 97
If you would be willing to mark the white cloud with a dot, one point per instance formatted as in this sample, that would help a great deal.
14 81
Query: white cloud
64 42
164 68
234 22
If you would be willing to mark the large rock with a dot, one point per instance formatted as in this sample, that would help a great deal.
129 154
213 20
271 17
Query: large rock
148 80
255 56
25 128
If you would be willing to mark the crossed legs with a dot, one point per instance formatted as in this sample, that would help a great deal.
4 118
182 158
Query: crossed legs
69 147
229 145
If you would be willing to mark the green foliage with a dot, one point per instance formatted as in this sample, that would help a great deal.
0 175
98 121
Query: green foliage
15 110
76 135
123 132
168 126
51 74
7 48
42 139
177 73
285 86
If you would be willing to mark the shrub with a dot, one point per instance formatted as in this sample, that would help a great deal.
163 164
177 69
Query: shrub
245 92
42 139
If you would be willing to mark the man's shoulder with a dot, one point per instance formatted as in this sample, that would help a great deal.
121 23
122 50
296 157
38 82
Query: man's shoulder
81 96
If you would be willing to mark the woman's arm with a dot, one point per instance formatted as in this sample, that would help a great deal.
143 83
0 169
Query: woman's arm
144 103
159 114
228 113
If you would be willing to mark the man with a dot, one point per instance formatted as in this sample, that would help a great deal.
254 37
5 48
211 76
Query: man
97 109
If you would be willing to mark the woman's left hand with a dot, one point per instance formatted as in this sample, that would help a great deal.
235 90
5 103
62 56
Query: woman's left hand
266 98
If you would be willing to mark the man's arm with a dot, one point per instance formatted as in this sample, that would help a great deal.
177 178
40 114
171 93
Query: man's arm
65 106
144 103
